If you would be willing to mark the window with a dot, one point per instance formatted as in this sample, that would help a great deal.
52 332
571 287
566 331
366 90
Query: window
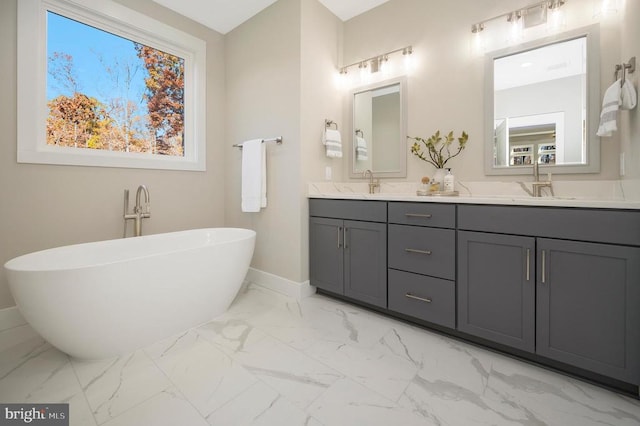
108 86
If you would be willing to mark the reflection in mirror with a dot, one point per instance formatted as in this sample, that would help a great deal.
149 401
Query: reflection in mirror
378 136
542 106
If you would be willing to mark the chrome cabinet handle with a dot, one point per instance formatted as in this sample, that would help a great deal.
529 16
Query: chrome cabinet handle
424 216
528 264
422 299
339 232
544 267
427 252
344 239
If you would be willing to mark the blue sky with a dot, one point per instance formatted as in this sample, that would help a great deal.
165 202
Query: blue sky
86 44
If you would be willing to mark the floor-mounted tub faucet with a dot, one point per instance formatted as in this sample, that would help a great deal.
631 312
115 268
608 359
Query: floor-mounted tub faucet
140 211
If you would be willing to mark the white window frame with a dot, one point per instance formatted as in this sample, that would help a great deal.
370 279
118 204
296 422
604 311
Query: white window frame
122 21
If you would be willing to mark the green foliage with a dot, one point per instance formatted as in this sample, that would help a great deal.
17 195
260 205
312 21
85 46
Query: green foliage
437 149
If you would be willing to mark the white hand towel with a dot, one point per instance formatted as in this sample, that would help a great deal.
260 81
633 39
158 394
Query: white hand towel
610 105
362 152
254 194
333 143
629 98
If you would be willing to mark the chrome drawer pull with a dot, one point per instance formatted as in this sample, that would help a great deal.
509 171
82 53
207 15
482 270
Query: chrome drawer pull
427 252
422 299
425 216
528 264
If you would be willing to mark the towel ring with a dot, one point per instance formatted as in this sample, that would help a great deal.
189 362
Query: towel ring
359 133
328 123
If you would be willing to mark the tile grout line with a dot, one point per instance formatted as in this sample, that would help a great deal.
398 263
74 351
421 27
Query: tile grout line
174 385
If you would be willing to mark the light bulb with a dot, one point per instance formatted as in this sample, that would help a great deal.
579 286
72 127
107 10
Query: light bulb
409 60
556 20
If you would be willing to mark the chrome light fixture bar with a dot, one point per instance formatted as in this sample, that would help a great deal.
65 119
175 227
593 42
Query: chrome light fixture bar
533 15
375 63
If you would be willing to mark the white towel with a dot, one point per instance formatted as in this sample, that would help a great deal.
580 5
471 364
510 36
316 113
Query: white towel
629 97
254 176
616 97
333 143
362 152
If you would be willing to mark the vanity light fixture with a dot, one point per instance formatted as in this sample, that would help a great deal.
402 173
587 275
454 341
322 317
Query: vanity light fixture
376 63
529 16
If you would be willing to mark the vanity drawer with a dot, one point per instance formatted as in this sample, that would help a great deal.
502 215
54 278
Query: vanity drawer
423 214
427 298
371 211
598 225
429 251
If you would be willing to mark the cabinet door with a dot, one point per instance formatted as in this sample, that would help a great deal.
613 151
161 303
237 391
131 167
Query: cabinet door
496 288
365 248
588 305
326 259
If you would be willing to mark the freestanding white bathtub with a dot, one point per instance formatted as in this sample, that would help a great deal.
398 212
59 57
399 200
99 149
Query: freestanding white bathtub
108 298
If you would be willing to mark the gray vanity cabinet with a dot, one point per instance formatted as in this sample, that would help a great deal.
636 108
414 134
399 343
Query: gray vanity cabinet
326 268
588 306
496 288
583 300
349 256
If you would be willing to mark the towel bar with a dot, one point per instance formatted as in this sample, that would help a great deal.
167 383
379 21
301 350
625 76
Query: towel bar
277 140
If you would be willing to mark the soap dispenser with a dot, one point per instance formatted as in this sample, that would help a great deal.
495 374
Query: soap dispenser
449 181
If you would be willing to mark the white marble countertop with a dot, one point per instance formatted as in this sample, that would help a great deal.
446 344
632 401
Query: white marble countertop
587 194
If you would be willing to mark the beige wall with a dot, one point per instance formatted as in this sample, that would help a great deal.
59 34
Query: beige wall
319 100
446 90
43 206
263 100
274 76
280 66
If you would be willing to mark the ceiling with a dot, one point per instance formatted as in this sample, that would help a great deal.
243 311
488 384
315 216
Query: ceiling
224 15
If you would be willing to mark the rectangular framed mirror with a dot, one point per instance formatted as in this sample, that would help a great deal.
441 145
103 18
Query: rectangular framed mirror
542 104
379 129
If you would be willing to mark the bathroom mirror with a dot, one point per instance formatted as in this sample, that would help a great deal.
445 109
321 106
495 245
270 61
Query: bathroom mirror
542 103
378 131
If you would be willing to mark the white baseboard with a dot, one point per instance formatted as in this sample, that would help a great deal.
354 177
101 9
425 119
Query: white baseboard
280 284
10 318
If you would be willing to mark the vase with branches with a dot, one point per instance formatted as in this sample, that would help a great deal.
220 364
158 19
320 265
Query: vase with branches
438 149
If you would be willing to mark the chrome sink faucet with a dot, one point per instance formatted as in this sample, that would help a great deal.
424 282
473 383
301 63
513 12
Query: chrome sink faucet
140 211
537 183
372 185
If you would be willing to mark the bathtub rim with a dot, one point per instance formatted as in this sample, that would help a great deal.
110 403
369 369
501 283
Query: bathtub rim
245 234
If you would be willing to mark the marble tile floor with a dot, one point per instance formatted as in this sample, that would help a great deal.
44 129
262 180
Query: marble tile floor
271 360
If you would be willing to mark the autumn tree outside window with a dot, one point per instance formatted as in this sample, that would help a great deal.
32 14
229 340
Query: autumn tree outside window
112 88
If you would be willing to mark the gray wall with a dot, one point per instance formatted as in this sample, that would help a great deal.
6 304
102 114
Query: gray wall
629 124
386 124
534 99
